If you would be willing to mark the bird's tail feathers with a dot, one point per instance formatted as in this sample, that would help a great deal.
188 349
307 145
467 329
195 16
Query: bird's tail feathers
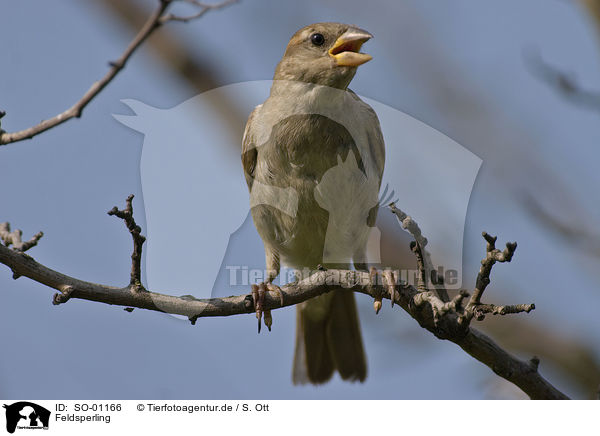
328 338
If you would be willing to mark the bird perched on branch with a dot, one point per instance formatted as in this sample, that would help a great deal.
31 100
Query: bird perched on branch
313 156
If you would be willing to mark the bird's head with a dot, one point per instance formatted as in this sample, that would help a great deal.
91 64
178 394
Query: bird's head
325 54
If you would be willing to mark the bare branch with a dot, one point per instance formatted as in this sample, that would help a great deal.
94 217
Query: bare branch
450 321
593 7
427 274
574 231
504 310
446 320
203 8
447 326
523 374
138 240
416 248
475 308
492 256
14 238
563 83
389 282
155 20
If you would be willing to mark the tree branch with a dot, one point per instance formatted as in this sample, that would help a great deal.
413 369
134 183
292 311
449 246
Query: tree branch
138 240
427 274
14 238
446 320
155 20
202 7
563 83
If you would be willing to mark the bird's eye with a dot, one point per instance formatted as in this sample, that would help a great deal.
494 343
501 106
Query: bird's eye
317 39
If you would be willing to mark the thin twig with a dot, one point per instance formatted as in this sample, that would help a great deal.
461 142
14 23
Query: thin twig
14 238
203 9
563 83
504 310
475 308
155 20
138 240
427 274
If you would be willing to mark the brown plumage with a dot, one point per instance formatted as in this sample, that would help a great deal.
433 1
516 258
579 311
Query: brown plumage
313 156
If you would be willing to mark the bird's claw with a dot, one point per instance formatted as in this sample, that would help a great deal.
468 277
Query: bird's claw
373 281
268 320
274 288
389 281
258 298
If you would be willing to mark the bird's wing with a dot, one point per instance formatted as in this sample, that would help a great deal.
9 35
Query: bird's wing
376 144
249 152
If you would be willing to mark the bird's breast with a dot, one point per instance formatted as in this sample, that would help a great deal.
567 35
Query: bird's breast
317 159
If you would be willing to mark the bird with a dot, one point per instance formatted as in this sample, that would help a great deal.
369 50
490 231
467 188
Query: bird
313 157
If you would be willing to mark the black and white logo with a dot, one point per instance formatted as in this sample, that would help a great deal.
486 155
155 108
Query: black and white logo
26 415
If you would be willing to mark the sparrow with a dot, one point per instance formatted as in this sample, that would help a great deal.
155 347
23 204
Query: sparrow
313 156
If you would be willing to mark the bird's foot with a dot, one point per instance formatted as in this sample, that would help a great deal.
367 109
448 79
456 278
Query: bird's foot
258 297
389 282
373 281
274 288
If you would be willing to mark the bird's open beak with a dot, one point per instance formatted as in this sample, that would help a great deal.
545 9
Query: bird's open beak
345 50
